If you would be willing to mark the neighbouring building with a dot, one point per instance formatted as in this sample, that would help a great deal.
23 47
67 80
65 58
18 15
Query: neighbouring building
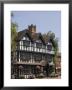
34 54
58 64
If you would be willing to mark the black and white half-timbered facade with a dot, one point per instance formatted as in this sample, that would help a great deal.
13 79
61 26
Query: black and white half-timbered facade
34 55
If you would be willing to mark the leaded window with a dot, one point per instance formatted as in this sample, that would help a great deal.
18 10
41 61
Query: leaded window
25 56
44 46
21 56
39 45
49 47
32 44
37 57
26 43
43 57
49 58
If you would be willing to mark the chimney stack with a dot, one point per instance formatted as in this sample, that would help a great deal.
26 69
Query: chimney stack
32 28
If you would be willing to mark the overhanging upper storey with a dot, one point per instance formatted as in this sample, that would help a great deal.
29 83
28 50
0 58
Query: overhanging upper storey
29 40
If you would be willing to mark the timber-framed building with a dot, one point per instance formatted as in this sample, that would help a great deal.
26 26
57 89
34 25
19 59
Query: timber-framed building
34 54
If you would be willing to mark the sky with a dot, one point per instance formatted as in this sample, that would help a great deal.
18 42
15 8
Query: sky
44 20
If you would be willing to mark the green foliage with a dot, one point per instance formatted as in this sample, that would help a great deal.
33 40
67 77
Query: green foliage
13 36
14 27
51 36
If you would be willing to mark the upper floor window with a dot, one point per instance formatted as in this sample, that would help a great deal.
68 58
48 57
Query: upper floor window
37 57
32 44
37 40
21 43
25 38
26 43
43 46
49 57
49 47
39 45
44 57
25 56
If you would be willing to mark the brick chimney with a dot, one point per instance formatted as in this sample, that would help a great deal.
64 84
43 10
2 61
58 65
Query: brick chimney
32 29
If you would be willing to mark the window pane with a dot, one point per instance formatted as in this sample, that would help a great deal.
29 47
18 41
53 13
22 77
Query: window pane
43 46
32 44
39 45
49 47
26 43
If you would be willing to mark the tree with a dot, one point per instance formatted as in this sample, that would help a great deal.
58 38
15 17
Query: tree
14 27
54 41
51 37
13 36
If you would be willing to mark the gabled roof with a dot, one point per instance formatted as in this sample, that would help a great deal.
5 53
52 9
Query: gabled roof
21 34
32 37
